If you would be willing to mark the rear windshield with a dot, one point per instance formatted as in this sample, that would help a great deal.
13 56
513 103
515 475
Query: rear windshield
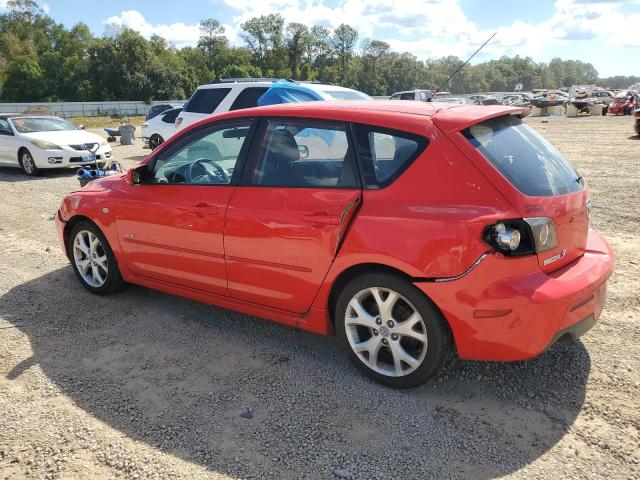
525 158
206 100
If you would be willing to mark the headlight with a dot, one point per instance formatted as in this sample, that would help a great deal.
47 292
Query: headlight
44 145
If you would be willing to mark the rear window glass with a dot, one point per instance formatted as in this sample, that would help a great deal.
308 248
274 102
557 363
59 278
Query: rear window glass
248 98
385 154
206 100
524 158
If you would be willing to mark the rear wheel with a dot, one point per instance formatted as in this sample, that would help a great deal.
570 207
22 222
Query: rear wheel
27 163
155 141
93 260
391 331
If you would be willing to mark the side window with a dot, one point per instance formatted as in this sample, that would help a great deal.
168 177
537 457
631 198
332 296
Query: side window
206 100
395 97
385 154
248 98
207 158
408 96
301 153
170 117
423 96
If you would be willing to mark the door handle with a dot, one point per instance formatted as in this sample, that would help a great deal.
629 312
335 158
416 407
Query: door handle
203 208
321 219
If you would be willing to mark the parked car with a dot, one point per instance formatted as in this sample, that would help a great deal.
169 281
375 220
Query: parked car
231 94
517 100
624 103
636 114
454 227
583 100
419 95
156 110
551 98
159 128
35 143
482 100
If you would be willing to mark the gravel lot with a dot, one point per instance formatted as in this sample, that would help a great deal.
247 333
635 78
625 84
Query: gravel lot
145 385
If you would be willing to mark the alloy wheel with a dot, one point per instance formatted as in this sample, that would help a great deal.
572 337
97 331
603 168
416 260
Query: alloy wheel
386 332
28 163
90 258
155 142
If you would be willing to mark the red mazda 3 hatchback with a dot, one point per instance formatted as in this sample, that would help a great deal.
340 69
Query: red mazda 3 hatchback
407 229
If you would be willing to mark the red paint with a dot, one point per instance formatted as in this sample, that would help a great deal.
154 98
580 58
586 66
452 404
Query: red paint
276 252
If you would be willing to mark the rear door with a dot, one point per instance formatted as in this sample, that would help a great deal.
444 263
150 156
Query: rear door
286 220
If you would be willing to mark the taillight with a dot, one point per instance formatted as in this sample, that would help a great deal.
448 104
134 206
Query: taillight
522 236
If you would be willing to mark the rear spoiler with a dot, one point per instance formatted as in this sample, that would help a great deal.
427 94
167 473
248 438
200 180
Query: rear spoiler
456 119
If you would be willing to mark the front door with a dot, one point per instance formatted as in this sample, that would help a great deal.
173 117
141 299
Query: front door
285 222
171 226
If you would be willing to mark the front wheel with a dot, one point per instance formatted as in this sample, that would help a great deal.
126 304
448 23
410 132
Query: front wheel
391 331
93 260
28 164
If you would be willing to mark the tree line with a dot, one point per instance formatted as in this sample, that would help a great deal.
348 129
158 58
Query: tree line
41 60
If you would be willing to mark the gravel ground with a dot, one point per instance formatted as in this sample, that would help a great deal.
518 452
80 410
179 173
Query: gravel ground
145 385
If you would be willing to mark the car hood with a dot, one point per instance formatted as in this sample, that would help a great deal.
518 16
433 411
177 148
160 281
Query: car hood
65 137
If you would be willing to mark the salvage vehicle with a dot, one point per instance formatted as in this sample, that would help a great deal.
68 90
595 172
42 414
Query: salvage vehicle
159 128
408 229
35 143
416 94
517 100
624 103
585 99
230 94
551 98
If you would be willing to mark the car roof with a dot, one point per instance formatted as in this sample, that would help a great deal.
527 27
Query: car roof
448 116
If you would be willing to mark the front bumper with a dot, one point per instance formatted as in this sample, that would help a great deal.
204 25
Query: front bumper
68 157
507 309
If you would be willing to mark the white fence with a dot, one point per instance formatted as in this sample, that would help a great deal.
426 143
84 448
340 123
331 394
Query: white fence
88 109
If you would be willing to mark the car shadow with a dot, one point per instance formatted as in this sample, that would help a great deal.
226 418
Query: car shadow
12 175
634 137
245 397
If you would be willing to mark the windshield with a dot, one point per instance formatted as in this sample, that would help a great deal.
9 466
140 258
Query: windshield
41 124
524 158
346 95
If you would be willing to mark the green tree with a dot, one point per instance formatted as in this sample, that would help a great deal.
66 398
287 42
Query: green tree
24 79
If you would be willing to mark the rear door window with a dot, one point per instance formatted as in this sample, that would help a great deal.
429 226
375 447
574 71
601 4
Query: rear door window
385 153
248 98
305 154
206 100
528 161
408 96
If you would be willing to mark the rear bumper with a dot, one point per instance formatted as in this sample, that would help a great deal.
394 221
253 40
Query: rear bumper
507 309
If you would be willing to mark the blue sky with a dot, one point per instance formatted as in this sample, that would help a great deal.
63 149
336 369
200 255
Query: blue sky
605 33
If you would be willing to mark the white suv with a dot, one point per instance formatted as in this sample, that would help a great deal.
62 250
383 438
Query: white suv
228 94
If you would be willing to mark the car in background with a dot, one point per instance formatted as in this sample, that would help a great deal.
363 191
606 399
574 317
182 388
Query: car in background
516 100
408 229
624 102
418 95
584 99
231 94
160 128
35 143
156 110
549 98
478 99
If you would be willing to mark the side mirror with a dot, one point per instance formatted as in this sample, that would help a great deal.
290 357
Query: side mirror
135 175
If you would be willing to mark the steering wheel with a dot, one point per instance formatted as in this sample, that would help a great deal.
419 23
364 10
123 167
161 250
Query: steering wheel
218 176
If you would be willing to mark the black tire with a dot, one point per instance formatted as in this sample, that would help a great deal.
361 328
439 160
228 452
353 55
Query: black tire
155 141
439 342
27 163
113 280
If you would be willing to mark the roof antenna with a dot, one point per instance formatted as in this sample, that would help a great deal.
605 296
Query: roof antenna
461 66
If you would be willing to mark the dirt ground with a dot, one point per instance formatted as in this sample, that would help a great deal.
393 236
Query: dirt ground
145 385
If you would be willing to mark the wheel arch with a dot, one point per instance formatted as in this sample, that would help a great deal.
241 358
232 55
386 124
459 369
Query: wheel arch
20 151
72 222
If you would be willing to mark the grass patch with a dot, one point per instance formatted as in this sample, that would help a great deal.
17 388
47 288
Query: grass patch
106 121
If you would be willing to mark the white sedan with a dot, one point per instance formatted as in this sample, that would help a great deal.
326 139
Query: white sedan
160 128
34 143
